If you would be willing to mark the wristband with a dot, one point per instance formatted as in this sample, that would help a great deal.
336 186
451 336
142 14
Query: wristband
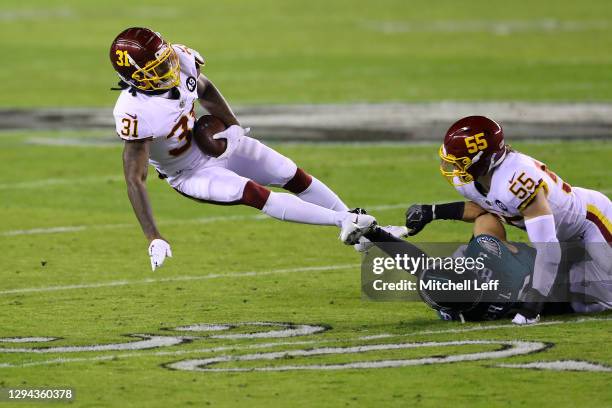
448 211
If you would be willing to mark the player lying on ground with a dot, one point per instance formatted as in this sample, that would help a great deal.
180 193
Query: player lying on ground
523 192
155 115
510 264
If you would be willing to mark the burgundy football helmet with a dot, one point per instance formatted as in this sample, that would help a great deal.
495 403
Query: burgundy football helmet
144 60
472 147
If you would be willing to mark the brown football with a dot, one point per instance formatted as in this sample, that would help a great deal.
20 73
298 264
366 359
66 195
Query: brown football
203 131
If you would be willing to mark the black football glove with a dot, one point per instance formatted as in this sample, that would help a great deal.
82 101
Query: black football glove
417 217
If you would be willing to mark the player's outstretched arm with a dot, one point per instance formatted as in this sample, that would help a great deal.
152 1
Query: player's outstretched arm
212 100
419 215
135 165
542 232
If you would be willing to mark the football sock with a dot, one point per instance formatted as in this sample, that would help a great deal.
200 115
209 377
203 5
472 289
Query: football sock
287 207
321 195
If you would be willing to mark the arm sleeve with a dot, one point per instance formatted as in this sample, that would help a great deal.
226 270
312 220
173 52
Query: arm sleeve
542 233
448 211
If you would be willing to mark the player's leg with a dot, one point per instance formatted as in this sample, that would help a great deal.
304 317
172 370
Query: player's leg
218 185
258 162
592 277
590 289
311 189
598 233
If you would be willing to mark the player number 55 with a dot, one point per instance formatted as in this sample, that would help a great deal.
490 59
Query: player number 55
476 143
522 186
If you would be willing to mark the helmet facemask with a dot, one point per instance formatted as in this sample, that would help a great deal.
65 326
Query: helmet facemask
160 74
455 169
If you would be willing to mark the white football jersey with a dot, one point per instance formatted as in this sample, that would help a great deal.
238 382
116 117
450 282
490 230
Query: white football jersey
514 185
168 122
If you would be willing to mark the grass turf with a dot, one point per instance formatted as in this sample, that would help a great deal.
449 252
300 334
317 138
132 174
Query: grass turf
320 51
78 187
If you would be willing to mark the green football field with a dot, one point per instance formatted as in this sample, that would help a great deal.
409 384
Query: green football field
75 268
255 312
271 51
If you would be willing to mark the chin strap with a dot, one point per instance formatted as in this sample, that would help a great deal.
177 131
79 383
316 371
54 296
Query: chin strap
495 163
121 85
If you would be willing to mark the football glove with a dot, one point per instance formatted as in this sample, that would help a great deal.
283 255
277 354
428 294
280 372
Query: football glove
521 320
158 251
529 311
417 217
232 134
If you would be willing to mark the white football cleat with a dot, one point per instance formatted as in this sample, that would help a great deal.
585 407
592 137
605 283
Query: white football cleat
397 231
522 320
354 226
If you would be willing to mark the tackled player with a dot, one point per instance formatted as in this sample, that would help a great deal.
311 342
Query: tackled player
155 115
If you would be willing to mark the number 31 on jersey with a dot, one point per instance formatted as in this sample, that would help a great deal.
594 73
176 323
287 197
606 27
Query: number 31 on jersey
130 127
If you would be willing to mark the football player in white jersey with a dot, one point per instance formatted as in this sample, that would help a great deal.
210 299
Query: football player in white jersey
523 192
155 114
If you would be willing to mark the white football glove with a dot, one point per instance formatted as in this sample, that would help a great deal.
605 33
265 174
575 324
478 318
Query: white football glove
158 251
232 134
521 320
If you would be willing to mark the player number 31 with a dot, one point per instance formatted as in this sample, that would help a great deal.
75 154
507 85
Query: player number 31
130 127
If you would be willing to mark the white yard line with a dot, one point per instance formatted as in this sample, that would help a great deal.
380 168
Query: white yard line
37 231
58 182
201 220
177 279
62 360
486 328
500 27
34 14
75 142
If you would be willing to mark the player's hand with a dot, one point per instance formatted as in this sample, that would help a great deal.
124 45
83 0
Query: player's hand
158 251
530 308
417 217
232 135
521 320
